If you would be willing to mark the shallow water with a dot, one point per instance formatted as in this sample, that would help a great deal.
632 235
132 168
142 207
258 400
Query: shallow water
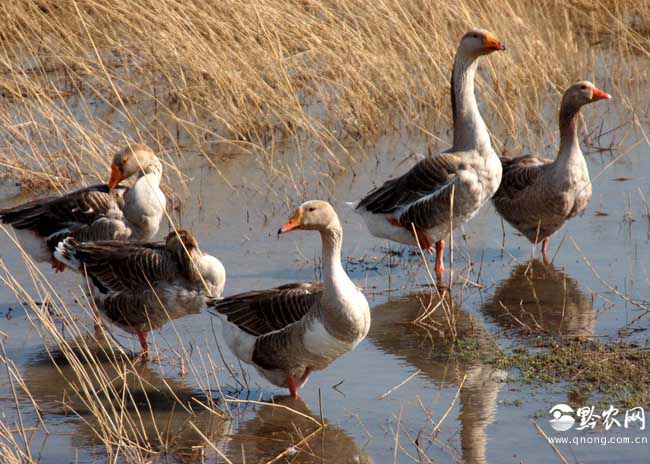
489 421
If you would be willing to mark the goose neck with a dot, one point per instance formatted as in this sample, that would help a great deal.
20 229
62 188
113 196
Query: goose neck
569 144
152 171
470 131
332 239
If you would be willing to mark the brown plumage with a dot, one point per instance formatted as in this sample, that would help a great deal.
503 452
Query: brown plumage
537 196
139 286
99 212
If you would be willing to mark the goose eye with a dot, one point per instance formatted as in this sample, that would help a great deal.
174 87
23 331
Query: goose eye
583 87
312 209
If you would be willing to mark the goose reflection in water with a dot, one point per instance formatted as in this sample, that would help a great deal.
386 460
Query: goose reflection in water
539 298
274 430
157 405
162 407
430 348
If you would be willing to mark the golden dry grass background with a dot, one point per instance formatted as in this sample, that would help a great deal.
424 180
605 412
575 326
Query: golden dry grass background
78 78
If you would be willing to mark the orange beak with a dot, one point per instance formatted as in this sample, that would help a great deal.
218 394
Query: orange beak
598 94
294 223
116 177
491 43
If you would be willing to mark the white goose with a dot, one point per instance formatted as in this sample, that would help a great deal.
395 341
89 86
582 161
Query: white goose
139 286
289 331
99 212
421 197
537 195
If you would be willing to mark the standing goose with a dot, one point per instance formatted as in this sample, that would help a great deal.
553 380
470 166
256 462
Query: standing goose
538 195
99 212
289 331
421 197
139 286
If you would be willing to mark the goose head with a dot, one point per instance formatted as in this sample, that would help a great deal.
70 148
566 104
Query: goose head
181 240
479 42
582 93
131 160
312 215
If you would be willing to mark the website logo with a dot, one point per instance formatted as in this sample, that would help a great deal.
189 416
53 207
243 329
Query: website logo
562 420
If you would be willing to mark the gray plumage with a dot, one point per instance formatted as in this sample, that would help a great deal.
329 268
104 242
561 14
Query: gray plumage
289 331
260 312
420 196
537 196
99 212
91 213
416 208
141 285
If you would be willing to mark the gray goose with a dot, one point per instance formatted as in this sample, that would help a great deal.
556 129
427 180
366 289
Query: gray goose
420 199
537 196
289 331
99 212
139 286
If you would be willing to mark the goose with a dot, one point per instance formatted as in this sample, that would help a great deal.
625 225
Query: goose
537 196
139 286
420 199
289 331
99 212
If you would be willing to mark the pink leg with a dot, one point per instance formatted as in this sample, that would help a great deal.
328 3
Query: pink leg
544 255
440 255
293 388
57 265
142 336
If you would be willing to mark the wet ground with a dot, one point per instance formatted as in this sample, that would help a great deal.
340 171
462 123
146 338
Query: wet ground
598 281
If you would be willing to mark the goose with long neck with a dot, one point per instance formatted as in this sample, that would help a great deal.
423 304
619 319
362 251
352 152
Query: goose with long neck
470 131
140 286
415 208
537 195
290 331
99 212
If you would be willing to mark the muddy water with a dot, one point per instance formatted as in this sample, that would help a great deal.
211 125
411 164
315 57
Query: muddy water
235 214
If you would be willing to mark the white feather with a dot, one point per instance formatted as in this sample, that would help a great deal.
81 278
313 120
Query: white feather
214 274
379 226
321 343
64 252
242 344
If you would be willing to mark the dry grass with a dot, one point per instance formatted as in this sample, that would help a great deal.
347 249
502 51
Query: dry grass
112 393
77 78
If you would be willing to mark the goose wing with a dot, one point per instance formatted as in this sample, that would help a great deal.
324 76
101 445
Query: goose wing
115 266
422 180
431 210
519 174
261 312
54 218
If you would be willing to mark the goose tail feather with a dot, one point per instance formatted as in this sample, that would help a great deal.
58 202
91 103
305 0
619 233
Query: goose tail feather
66 251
